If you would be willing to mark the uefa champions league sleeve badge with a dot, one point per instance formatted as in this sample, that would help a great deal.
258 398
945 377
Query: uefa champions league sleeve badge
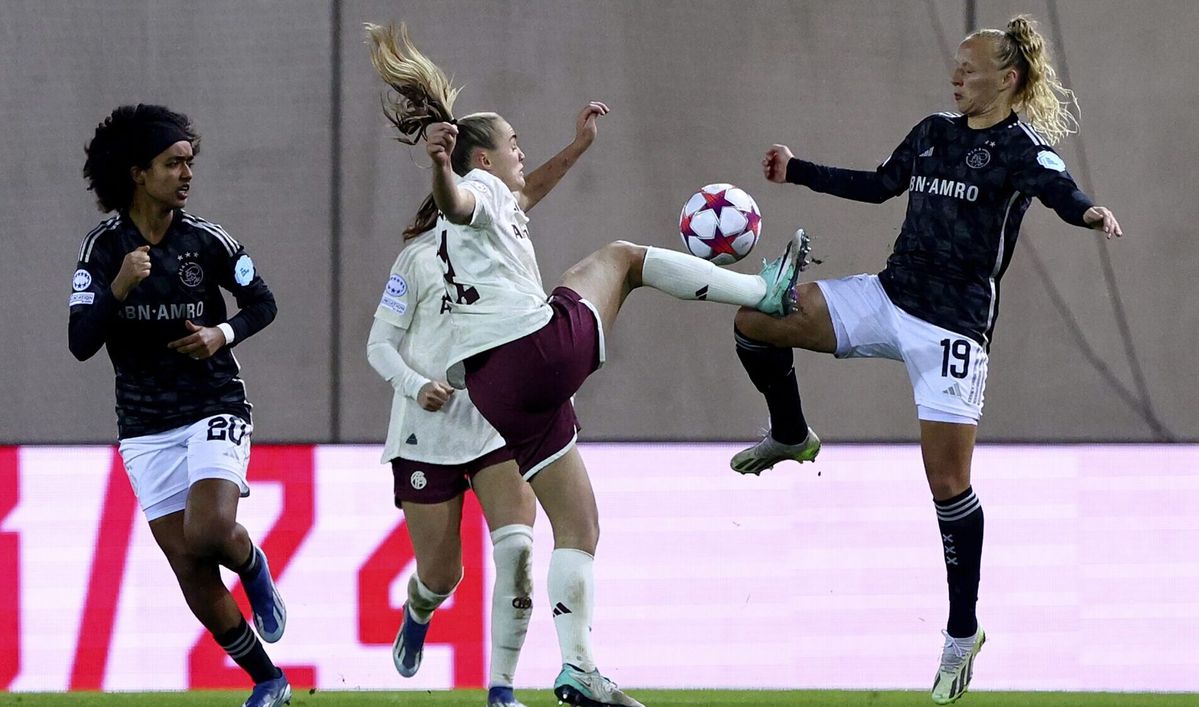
243 270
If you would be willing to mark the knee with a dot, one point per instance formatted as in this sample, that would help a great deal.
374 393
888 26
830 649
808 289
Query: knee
590 535
208 537
582 534
593 534
760 328
439 565
625 249
747 323
628 254
187 568
947 482
441 577
944 489
515 537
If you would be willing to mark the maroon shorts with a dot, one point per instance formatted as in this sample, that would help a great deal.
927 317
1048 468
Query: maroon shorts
524 387
418 482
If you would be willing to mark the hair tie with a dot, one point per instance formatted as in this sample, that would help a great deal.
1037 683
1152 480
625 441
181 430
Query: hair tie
452 121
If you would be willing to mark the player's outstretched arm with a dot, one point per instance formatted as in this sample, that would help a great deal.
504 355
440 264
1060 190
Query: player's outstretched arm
888 180
546 177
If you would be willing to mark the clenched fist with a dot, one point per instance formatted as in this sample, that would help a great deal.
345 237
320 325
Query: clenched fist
134 268
440 139
774 164
434 395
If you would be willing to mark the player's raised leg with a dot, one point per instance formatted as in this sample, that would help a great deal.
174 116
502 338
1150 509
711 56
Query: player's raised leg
606 277
772 371
764 347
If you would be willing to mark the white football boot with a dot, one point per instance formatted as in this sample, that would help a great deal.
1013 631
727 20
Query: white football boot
767 453
589 689
957 666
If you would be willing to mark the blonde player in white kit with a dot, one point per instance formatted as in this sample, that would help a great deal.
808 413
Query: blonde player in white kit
438 445
523 354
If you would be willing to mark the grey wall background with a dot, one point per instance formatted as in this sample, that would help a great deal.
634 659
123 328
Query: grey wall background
297 162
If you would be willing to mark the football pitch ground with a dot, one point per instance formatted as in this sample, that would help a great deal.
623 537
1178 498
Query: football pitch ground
652 698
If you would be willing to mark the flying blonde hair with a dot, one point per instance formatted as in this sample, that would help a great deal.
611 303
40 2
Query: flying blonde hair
1040 95
421 94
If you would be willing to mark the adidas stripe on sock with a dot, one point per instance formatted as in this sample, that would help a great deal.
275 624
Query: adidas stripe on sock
571 589
690 278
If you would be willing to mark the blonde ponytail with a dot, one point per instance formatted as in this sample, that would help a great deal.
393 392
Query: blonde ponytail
423 95
421 92
1039 95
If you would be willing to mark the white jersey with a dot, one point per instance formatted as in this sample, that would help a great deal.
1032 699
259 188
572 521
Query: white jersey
414 301
492 279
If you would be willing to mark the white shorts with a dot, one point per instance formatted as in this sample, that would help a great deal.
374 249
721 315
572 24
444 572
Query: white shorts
163 466
948 371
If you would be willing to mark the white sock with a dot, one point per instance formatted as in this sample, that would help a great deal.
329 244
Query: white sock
422 601
690 278
511 600
572 597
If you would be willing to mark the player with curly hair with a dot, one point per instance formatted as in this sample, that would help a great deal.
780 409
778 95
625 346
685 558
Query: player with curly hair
147 287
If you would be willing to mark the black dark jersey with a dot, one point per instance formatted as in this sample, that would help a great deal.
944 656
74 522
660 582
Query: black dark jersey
967 193
158 388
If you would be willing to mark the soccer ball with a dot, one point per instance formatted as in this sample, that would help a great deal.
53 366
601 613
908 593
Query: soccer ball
720 223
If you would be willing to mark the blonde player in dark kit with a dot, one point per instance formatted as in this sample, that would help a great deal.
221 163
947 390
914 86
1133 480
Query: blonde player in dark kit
520 353
148 287
970 176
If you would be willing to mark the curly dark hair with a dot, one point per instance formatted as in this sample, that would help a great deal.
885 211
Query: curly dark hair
113 151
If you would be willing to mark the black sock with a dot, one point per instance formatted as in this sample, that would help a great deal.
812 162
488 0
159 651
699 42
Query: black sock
961 521
772 371
249 566
246 650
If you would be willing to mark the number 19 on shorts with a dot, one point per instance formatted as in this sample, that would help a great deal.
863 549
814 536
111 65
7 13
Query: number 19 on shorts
955 358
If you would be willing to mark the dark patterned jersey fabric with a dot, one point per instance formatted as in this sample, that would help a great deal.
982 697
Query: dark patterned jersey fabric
158 388
968 190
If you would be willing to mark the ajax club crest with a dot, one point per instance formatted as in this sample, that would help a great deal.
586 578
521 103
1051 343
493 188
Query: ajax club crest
190 272
978 157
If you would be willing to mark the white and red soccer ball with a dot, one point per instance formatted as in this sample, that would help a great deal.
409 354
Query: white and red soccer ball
720 223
